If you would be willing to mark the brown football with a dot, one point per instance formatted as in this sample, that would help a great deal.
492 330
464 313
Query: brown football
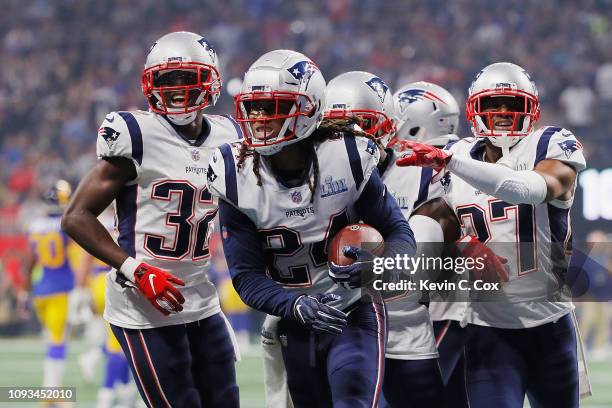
357 235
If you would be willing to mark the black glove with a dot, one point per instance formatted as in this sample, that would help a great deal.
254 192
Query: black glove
357 274
314 314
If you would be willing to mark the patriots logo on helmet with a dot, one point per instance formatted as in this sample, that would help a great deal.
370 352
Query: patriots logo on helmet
211 51
412 95
378 86
110 135
302 70
569 146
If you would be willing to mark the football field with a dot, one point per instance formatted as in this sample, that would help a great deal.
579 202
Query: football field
21 365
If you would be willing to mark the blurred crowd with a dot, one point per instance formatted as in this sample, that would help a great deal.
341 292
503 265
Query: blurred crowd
66 63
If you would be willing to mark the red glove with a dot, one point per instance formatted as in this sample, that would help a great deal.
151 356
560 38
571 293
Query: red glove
399 144
494 269
156 285
423 155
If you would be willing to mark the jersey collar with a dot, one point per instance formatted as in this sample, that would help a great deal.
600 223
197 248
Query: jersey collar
193 143
384 165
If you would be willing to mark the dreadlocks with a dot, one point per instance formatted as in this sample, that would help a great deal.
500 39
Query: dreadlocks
329 129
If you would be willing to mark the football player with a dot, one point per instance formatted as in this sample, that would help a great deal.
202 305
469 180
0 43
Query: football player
284 193
426 113
159 301
50 287
429 114
514 184
412 376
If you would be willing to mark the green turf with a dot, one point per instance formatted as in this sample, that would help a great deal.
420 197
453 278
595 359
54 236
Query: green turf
21 365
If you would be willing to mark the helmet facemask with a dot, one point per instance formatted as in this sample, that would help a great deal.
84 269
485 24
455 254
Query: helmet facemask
504 128
269 120
375 123
180 89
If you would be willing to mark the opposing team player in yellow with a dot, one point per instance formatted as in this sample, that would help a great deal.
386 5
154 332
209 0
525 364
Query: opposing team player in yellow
50 288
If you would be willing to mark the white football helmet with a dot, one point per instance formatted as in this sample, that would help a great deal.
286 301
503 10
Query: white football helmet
427 113
511 82
364 97
281 85
181 76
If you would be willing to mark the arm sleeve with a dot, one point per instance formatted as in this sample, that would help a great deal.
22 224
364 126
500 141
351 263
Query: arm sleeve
497 180
244 255
379 209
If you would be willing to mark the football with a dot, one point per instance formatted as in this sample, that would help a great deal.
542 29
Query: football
355 235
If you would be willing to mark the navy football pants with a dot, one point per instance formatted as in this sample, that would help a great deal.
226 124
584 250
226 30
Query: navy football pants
185 365
340 371
451 339
502 365
413 384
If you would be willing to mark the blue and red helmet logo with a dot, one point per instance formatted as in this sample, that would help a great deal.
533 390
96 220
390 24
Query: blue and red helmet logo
302 70
378 86
412 95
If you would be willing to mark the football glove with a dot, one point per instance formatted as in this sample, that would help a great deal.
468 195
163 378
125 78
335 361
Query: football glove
314 314
357 274
494 269
156 285
423 155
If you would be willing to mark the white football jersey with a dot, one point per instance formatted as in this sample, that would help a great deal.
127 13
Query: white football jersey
294 231
536 239
411 335
165 216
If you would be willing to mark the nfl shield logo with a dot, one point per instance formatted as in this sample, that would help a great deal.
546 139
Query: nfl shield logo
195 155
296 197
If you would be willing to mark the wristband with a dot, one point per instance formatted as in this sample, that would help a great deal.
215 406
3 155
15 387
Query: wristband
128 267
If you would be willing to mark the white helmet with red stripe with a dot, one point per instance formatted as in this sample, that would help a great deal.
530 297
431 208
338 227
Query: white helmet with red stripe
181 76
427 113
364 97
502 84
280 102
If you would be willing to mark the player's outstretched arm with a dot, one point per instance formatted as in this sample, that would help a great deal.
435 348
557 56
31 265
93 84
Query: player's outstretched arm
96 191
551 179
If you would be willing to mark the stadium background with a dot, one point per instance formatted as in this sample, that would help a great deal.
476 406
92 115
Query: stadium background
66 63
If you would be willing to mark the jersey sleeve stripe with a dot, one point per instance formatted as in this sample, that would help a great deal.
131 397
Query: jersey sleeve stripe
426 174
135 135
231 186
449 144
126 217
354 160
560 234
542 148
236 126
478 149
